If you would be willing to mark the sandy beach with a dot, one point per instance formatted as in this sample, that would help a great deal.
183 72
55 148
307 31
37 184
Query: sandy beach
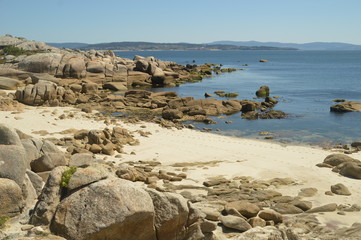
206 155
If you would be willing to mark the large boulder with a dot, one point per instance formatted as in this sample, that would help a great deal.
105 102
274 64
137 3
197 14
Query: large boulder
41 63
10 198
348 106
263 92
39 93
74 68
95 67
9 83
129 216
12 155
171 214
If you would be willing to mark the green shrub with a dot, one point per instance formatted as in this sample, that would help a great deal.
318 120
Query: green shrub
12 50
3 220
66 177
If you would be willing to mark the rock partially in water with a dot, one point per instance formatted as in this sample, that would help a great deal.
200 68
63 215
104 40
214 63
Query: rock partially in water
347 106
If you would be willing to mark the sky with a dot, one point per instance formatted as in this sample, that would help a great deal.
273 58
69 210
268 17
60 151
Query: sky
193 21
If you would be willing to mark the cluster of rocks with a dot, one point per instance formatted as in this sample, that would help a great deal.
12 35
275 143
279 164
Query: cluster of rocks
104 141
103 67
343 164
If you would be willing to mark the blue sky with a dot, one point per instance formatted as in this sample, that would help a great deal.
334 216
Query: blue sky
196 21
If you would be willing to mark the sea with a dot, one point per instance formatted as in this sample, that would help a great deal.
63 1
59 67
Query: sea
306 83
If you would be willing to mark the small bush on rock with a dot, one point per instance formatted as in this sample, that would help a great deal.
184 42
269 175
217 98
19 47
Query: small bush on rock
66 176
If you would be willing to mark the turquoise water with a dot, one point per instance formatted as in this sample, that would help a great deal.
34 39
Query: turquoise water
306 81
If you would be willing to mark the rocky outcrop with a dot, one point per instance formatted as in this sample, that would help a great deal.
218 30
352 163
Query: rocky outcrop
70 211
347 106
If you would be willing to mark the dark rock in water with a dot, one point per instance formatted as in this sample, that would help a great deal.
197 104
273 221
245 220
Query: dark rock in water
263 60
274 114
208 95
356 144
348 106
338 100
263 91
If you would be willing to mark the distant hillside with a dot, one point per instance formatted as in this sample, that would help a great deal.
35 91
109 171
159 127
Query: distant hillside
304 46
72 45
149 46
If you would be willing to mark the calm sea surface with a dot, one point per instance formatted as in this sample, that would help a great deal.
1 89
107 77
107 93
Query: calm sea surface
306 81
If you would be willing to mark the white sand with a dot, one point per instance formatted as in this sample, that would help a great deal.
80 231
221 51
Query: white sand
236 156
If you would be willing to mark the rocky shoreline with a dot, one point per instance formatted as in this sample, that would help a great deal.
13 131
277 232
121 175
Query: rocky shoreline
61 166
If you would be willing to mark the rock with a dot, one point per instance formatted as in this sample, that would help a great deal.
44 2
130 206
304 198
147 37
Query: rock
307 192
337 159
263 60
171 114
325 208
49 199
13 162
287 208
74 68
247 209
95 67
39 93
10 198
262 233
263 91
273 114
257 222
171 214
356 144
41 63
347 106
208 226
351 170
89 87
211 214
9 136
141 65
78 218
340 189
235 223
304 205
9 83
270 215
50 158
88 175
29 193
81 160
32 149
36 181
115 86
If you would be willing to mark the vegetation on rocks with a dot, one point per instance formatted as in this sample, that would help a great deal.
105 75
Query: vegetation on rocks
65 178
3 220
13 50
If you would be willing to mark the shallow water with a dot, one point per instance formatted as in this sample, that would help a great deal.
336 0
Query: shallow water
306 81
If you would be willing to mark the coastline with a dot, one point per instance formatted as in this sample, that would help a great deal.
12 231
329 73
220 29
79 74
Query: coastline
203 156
